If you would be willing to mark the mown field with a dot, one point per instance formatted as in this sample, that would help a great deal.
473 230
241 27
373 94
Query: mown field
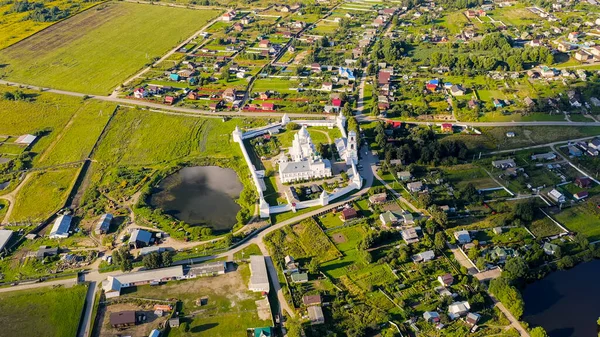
95 51
44 312
42 194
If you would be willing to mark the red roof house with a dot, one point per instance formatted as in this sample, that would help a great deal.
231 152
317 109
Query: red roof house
169 99
336 102
349 213
268 106
583 182
446 127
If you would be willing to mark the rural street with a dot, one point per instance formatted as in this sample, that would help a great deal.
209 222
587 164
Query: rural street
542 145
86 323
202 113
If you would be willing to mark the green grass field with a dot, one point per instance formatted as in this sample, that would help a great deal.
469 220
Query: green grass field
75 142
95 51
45 113
347 239
43 194
132 138
584 218
44 312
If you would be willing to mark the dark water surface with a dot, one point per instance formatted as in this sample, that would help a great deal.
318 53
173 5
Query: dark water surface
200 195
566 303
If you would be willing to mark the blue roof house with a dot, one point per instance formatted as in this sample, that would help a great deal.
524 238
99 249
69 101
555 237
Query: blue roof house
174 77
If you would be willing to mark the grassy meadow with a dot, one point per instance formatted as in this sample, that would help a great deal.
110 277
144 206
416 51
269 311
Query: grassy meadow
78 137
42 194
95 51
44 312
44 113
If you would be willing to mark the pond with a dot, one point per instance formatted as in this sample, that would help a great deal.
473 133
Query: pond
565 303
200 195
4 185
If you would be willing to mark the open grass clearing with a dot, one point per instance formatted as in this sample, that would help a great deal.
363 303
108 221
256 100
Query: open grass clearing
43 194
43 312
583 218
94 51
76 140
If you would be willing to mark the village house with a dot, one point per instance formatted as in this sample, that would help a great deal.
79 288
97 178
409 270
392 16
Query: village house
472 318
583 182
290 265
378 198
556 196
409 235
140 238
327 86
122 319
140 93
389 218
544 156
228 17
446 279
315 314
447 127
458 309
528 102
462 237
348 213
229 95
299 277
574 151
264 44
550 248
457 90
582 55
504 164
431 316
581 195
415 186
423 256
309 300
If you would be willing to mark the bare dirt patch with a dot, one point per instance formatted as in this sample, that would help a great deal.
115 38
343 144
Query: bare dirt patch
338 238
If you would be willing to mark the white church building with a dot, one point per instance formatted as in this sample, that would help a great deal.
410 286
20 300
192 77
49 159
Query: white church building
304 162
